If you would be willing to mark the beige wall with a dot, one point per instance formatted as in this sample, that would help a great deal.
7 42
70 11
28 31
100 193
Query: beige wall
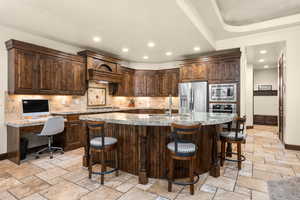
291 37
266 77
266 105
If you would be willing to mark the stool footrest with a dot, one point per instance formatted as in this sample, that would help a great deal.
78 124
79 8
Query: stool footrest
243 158
186 183
106 172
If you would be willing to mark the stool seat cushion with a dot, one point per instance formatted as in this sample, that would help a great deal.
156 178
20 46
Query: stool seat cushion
231 135
97 141
182 147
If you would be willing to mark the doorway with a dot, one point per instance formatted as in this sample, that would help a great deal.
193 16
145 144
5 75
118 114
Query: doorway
265 83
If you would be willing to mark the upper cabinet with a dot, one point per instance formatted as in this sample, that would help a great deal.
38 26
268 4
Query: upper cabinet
219 66
156 83
38 70
193 72
147 83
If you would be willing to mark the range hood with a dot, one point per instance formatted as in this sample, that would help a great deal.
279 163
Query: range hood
101 68
110 77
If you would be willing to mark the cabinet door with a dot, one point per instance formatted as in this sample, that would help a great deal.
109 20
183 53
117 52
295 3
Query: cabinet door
174 80
46 65
73 136
215 71
186 72
73 78
199 71
165 84
26 71
79 83
140 84
231 70
152 84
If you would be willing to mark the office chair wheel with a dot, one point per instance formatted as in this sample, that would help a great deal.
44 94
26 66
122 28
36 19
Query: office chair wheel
37 157
62 152
51 157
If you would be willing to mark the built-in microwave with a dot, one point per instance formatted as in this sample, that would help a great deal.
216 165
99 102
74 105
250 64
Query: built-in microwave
223 92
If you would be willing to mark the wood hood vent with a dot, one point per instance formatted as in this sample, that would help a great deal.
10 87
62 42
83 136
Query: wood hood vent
101 67
97 75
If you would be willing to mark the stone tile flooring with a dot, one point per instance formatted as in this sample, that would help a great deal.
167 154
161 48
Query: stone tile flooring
64 178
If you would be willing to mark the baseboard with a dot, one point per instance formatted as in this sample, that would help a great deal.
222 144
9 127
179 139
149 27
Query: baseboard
249 127
292 147
3 156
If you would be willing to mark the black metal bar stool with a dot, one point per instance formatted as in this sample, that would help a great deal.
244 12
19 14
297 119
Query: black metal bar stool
101 144
237 136
181 149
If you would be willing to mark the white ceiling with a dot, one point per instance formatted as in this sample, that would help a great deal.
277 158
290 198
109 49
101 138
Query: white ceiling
120 23
174 25
271 56
239 12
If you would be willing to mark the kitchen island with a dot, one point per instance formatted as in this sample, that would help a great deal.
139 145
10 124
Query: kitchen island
142 140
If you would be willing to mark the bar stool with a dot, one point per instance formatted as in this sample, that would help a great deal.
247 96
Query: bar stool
101 144
184 150
237 136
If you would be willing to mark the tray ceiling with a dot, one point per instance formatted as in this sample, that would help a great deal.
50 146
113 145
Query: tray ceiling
242 12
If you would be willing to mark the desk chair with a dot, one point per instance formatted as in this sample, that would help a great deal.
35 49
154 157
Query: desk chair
53 126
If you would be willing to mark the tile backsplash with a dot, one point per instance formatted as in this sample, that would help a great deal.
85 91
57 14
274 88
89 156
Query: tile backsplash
13 103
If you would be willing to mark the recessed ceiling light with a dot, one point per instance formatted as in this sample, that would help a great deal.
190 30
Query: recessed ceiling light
146 57
197 48
151 44
125 49
169 53
261 60
263 51
266 66
96 39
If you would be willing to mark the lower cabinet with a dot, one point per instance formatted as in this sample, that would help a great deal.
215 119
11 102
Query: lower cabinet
265 120
72 137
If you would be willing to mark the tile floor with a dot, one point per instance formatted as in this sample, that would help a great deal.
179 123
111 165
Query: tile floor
64 178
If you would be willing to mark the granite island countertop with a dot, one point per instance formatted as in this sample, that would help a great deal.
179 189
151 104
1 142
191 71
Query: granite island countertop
104 110
205 118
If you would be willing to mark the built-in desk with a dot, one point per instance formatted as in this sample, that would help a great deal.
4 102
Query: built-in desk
73 135
17 129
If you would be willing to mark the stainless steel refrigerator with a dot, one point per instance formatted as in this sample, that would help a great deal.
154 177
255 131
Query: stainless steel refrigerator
193 97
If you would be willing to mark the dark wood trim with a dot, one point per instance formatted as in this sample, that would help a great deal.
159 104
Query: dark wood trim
10 44
3 156
99 55
214 56
265 120
265 93
249 127
292 147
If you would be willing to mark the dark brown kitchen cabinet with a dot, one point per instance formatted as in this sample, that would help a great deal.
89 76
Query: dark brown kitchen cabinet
125 88
169 82
194 72
140 83
38 70
73 133
23 71
152 84
72 137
